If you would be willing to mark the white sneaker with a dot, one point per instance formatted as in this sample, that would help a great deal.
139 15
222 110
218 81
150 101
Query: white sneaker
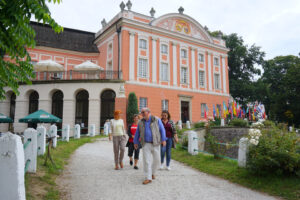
161 167
168 168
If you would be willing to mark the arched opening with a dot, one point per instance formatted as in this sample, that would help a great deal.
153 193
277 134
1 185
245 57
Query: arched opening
82 110
107 105
57 107
12 109
33 106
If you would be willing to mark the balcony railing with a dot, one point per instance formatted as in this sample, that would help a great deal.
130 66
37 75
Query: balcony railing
78 75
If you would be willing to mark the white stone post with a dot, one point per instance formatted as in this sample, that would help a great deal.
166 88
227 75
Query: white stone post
243 150
179 125
291 129
92 130
188 125
11 167
222 122
193 142
66 132
77 131
30 149
53 133
41 140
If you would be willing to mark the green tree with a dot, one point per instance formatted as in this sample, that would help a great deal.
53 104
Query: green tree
132 107
16 35
242 62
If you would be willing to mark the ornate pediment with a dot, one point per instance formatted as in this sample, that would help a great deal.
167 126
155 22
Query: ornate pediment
182 24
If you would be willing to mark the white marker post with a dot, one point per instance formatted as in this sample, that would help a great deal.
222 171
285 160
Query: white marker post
193 142
53 133
243 150
30 149
41 140
92 130
77 131
66 132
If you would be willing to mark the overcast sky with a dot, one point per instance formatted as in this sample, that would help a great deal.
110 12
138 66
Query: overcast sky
273 25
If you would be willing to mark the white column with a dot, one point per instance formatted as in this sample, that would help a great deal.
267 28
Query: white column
174 64
224 75
154 59
94 114
69 113
4 109
41 140
30 149
193 70
209 72
131 56
21 111
11 167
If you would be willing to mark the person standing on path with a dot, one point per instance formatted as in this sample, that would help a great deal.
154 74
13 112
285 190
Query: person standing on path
131 132
118 135
171 141
152 134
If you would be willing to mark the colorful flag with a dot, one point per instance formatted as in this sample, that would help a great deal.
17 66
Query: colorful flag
214 111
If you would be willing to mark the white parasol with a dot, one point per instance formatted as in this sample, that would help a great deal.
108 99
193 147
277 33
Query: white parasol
48 65
87 66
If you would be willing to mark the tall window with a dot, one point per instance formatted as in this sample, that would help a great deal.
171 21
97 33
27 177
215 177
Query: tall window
164 48
143 44
217 81
183 53
164 72
201 57
143 103
216 61
143 68
164 104
203 107
183 75
202 78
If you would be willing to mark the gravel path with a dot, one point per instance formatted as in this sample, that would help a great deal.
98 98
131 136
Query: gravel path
90 175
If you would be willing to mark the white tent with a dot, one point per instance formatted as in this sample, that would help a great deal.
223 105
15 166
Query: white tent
48 65
87 66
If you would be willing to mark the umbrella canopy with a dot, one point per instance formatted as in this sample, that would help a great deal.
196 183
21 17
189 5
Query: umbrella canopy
48 65
87 66
5 119
40 116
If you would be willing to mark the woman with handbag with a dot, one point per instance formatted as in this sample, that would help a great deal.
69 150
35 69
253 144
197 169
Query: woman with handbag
172 138
118 136
131 132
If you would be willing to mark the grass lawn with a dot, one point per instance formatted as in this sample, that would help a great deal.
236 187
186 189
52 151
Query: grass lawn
41 185
285 187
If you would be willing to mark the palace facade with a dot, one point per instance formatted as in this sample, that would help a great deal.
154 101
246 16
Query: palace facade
170 62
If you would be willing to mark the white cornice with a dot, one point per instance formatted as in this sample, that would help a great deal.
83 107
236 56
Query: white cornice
64 51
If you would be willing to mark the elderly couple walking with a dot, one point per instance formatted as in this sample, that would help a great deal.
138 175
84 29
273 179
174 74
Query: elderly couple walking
151 134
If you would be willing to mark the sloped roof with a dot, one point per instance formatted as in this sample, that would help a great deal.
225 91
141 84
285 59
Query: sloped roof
69 39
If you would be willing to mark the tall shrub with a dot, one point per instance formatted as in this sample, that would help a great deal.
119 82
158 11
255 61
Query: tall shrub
132 107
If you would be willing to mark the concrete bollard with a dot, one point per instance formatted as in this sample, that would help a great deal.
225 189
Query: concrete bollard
291 129
188 125
53 133
11 167
222 122
179 125
66 132
193 142
30 149
243 150
77 131
92 130
41 140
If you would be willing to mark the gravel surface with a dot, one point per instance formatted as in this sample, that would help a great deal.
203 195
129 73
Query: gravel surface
90 175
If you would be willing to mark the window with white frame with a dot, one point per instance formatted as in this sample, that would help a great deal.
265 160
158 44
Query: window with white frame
216 61
184 75
164 49
164 104
143 44
164 72
143 103
217 81
201 78
203 108
183 53
201 57
143 68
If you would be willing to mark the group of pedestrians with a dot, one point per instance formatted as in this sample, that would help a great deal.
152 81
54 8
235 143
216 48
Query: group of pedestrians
153 135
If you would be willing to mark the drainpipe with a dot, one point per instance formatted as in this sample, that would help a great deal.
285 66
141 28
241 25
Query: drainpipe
118 29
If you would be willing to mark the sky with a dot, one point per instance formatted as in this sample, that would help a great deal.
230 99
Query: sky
274 25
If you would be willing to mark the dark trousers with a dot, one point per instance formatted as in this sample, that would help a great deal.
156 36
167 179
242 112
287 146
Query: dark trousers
131 149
